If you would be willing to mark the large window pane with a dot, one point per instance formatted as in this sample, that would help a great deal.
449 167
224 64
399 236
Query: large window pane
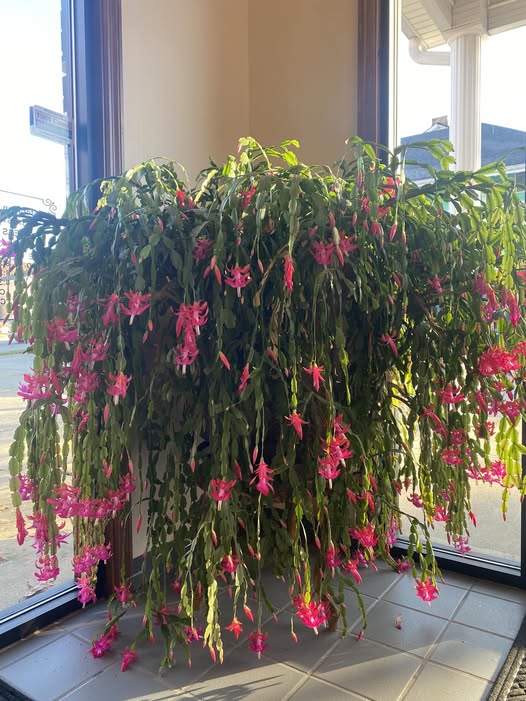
34 173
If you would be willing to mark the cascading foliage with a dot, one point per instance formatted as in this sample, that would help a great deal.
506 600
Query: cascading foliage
270 366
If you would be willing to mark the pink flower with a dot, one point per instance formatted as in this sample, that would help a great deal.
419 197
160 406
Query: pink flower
450 395
193 634
365 535
47 568
39 524
22 532
86 590
246 196
296 422
186 353
436 283
328 469
441 515
87 383
458 436
289 271
238 277
138 304
236 627
6 248
310 613
263 477
27 487
426 590
389 341
224 360
120 385
183 200
496 360
333 558
437 423
88 558
243 380
220 490
451 456
462 544
416 500
347 244
403 566
337 447
110 313
96 351
57 331
229 563
257 642
351 567
191 316
202 249
123 594
513 307
322 252
315 371
101 646
128 658
163 614
37 386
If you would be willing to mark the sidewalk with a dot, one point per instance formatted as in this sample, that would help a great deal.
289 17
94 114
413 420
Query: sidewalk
10 349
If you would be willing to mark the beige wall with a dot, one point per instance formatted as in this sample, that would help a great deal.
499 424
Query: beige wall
185 79
303 74
198 74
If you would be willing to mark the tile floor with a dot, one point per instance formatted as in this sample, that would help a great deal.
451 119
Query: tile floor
451 649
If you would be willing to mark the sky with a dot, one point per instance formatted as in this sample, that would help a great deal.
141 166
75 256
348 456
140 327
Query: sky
31 60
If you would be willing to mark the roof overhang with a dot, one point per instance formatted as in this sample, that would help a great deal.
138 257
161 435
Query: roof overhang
434 22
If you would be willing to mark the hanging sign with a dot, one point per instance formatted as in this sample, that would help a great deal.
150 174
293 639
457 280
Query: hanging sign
50 125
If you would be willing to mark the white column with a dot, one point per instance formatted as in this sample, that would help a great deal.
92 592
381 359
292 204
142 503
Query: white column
465 124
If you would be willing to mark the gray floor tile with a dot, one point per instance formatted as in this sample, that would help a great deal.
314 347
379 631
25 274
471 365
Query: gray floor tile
26 647
307 652
377 583
500 591
418 630
56 664
182 673
242 676
491 614
92 627
368 668
436 683
354 612
455 579
55 669
314 690
404 593
472 651
133 684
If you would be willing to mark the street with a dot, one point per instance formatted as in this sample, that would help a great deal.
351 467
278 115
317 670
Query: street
17 580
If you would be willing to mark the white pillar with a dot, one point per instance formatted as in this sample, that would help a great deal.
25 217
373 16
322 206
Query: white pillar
465 124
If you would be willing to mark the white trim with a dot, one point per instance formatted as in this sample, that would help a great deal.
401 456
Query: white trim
427 58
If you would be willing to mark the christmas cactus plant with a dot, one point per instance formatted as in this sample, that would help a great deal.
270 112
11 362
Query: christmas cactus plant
270 366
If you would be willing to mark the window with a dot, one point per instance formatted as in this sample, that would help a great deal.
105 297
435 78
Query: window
68 63
459 67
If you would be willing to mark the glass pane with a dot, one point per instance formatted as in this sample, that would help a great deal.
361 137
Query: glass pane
34 174
424 110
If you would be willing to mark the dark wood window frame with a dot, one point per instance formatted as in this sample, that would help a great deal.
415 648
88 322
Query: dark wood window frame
373 70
